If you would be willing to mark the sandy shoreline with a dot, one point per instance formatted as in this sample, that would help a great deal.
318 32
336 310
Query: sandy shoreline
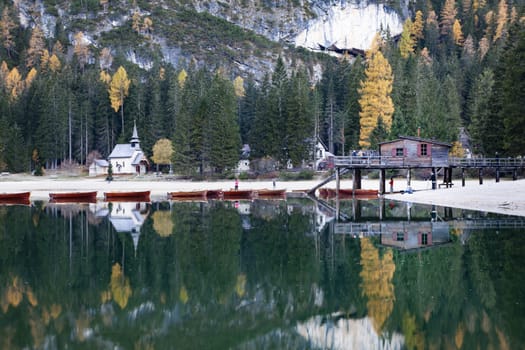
505 197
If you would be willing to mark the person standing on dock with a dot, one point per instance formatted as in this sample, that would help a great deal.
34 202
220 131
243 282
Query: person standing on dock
391 183
236 184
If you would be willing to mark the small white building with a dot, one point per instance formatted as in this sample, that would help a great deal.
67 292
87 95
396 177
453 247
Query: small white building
128 158
98 167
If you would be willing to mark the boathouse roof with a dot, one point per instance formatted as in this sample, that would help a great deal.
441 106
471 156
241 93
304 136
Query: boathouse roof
417 139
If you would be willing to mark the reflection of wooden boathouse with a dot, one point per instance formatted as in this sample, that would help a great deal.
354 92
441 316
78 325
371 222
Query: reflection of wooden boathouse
414 235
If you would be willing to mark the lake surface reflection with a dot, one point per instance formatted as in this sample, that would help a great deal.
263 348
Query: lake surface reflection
260 275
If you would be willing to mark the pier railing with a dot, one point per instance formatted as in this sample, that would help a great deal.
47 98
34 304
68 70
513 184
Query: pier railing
486 162
374 161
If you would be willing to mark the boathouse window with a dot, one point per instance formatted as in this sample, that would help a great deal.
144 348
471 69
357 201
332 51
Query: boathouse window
399 152
400 236
424 239
424 151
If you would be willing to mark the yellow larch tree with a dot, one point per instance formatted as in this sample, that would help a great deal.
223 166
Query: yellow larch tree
375 101
238 85
14 84
118 91
418 26
54 63
407 41
81 49
502 20
30 78
181 78
135 21
105 77
457 33
36 47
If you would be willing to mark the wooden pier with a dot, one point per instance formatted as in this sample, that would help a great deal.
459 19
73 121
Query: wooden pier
356 164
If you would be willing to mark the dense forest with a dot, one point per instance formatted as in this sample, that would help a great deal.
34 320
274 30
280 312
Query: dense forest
456 68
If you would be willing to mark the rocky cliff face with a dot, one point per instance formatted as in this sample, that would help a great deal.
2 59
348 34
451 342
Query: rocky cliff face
305 23
348 24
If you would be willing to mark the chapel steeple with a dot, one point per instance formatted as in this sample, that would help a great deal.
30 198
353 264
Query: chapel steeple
135 142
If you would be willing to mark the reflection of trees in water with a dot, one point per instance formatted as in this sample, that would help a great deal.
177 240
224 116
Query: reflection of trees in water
219 281
376 274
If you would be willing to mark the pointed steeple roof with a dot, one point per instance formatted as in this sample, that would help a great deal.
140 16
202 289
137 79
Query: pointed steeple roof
135 142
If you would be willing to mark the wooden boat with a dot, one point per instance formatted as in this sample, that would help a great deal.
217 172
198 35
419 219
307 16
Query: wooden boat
265 193
188 195
73 197
323 192
123 196
215 194
332 193
358 192
15 198
239 194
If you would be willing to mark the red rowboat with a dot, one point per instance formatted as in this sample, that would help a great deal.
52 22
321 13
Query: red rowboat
134 196
15 198
73 197
271 193
215 194
239 194
188 195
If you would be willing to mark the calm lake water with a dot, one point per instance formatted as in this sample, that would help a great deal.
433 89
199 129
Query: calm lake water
260 275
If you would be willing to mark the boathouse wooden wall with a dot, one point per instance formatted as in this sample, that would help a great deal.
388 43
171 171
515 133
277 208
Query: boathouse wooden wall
411 152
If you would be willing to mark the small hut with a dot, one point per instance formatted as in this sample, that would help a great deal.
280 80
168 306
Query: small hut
98 167
416 152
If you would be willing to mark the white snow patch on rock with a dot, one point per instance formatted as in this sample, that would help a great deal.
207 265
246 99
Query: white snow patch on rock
350 26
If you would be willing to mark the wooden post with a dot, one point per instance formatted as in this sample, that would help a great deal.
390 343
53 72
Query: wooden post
497 174
357 179
449 177
481 176
433 178
462 177
382 181
381 208
514 174
337 179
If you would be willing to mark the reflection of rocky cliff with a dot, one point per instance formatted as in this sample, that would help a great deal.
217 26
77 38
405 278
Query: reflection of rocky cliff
340 333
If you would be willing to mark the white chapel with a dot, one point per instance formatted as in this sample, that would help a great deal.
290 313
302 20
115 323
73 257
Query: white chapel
128 158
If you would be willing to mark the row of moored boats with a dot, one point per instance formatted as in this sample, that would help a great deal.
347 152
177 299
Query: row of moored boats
144 196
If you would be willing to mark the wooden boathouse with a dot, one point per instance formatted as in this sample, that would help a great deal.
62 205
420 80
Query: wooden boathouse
407 152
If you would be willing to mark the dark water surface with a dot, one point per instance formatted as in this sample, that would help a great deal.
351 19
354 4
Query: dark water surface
260 275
